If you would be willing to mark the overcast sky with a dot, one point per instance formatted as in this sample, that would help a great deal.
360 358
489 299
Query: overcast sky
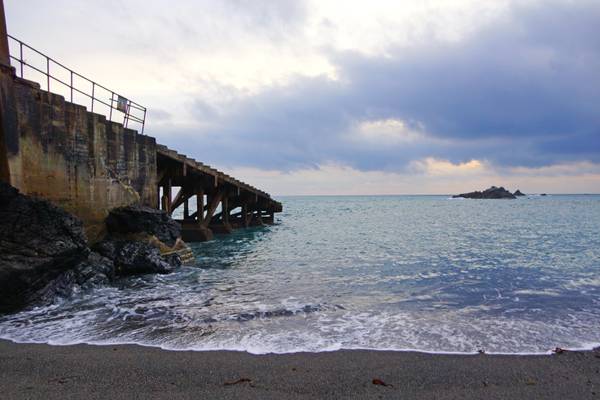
350 97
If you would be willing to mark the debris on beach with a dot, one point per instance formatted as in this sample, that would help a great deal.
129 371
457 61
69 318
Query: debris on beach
379 382
559 350
241 380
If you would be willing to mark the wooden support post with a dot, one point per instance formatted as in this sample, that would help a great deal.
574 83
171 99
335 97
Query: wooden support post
225 209
200 206
164 199
214 201
269 218
186 208
159 199
168 194
245 221
179 198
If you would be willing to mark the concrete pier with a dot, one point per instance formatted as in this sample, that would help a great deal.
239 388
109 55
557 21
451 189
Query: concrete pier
89 164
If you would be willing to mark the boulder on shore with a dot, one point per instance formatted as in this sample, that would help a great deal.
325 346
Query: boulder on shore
38 242
44 252
134 257
490 193
95 270
519 193
140 219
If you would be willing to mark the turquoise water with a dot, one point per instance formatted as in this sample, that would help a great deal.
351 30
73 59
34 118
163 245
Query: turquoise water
392 272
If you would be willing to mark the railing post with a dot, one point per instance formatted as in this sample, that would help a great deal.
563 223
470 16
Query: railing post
126 116
112 97
93 89
48 72
21 51
144 121
70 83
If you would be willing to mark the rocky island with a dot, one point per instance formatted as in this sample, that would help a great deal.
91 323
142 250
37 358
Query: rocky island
490 193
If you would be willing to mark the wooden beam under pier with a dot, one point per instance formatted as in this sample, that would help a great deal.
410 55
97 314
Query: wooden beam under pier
196 178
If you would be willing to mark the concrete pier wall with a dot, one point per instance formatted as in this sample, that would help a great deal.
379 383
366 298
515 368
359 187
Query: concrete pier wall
76 159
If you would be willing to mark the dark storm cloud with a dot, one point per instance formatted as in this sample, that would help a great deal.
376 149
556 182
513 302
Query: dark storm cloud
524 91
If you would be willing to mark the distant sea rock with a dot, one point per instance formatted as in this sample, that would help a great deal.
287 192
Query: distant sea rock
519 193
490 193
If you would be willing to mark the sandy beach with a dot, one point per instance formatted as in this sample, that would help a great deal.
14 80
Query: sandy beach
32 371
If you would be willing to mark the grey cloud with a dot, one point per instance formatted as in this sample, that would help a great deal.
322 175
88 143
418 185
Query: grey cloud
525 91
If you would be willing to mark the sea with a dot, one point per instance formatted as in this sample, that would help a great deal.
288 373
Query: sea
424 273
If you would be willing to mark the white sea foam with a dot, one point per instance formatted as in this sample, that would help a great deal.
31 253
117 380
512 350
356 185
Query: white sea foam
327 331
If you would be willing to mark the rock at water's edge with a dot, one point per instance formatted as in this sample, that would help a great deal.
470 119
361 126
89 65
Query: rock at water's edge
519 193
490 193
44 252
140 219
132 257
38 242
95 270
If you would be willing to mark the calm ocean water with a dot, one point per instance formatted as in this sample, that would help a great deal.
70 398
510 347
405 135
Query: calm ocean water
391 272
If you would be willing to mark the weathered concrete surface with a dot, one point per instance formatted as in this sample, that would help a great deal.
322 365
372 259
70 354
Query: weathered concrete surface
7 116
76 159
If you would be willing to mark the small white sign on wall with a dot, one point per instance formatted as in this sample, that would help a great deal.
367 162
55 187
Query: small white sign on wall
122 104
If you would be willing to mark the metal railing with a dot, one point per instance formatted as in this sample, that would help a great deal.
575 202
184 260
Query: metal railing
130 110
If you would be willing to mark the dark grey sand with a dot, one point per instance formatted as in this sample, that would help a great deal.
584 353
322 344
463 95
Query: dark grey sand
32 371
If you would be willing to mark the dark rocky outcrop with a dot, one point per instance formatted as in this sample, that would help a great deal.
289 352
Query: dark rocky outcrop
38 243
518 193
95 270
135 257
490 193
44 252
139 219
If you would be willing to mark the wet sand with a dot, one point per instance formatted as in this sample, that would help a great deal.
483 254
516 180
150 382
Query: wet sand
37 371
